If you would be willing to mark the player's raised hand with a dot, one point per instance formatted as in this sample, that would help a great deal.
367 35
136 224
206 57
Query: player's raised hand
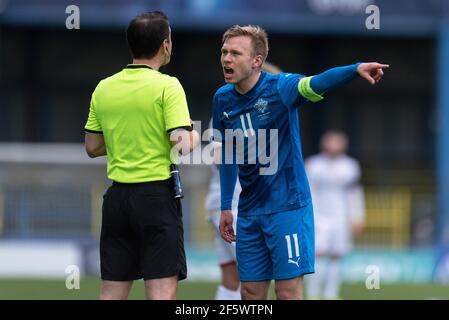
372 71
226 229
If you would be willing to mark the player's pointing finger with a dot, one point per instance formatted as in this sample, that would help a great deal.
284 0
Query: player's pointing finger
380 65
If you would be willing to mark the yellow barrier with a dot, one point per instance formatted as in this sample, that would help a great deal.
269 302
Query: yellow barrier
387 221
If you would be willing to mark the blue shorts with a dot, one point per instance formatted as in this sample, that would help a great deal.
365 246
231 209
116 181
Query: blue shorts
276 246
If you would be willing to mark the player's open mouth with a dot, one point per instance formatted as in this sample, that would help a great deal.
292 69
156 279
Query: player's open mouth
228 70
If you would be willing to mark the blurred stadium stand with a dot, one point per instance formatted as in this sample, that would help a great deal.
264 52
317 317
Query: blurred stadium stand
50 190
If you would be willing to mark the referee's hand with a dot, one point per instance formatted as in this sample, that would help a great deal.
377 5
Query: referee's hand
226 229
372 71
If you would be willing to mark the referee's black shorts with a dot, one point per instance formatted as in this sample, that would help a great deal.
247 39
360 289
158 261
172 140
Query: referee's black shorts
142 234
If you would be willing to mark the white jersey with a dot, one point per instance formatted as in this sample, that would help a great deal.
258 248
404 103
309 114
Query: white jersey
335 187
337 198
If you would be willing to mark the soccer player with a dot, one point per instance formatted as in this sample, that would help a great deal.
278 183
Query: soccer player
275 230
135 117
229 288
338 205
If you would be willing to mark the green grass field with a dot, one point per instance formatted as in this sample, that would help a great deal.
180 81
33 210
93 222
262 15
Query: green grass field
189 290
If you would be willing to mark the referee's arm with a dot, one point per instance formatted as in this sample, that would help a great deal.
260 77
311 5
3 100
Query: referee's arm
94 144
93 138
184 140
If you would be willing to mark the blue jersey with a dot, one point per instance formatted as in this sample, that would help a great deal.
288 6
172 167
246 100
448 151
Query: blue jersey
271 104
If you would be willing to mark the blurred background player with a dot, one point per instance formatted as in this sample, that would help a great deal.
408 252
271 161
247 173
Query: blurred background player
229 288
338 203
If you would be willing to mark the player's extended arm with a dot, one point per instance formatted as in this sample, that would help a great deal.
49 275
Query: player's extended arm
313 87
228 179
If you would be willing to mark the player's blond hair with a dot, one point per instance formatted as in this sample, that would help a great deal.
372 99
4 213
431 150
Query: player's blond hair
258 36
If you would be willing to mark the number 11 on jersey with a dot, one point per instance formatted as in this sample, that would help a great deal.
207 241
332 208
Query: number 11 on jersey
246 129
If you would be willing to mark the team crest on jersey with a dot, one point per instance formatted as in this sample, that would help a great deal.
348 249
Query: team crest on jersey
261 105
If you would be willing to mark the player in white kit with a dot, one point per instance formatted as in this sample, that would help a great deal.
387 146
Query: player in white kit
338 204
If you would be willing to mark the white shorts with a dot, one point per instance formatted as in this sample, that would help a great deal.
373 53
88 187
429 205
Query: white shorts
332 238
225 251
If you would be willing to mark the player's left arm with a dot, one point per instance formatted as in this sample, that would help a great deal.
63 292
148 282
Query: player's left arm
314 87
228 171
228 179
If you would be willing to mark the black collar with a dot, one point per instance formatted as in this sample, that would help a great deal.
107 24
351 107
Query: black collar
138 66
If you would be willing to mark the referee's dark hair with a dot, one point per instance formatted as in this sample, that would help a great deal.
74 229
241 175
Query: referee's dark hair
146 32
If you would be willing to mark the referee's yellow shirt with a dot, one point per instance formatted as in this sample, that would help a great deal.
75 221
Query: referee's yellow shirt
135 109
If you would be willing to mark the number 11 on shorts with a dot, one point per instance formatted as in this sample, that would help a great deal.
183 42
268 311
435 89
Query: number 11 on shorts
289 245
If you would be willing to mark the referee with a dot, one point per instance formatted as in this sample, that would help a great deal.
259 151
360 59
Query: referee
136 117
